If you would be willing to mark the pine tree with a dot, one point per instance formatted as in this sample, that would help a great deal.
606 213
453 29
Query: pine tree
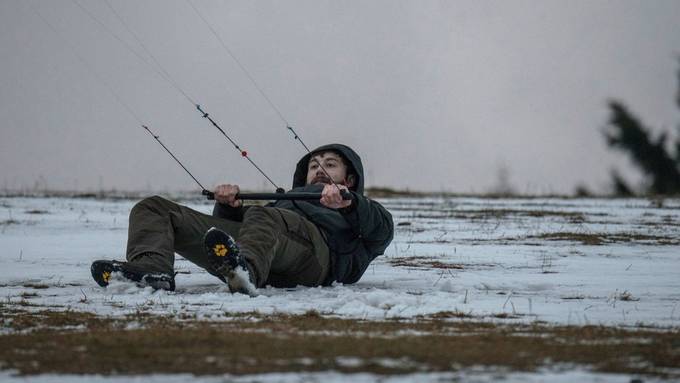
627 133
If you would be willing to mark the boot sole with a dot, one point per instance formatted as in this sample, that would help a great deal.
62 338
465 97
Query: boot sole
223 253
221 249
101 271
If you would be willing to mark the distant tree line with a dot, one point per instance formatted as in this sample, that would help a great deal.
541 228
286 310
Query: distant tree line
661 168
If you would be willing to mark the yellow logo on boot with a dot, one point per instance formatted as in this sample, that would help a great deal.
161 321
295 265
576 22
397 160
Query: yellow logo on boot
106 276
220 250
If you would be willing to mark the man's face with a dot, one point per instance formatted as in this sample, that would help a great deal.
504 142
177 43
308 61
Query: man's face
334 167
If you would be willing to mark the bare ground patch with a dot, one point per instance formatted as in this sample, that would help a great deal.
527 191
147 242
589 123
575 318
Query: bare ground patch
81 343
433 263
37 211
595 239
489 214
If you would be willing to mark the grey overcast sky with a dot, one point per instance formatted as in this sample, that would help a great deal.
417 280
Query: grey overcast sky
434 95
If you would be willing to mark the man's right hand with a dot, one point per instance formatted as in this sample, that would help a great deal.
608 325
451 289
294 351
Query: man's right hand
226 194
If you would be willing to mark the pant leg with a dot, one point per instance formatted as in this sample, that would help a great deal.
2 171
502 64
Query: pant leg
283 248
159 228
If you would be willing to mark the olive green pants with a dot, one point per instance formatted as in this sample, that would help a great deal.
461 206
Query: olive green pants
281 248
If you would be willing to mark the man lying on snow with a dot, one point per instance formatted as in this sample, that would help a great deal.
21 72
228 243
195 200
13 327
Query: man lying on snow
282 244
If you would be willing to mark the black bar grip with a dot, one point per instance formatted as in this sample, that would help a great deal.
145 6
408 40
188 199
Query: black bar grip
290 196
346 196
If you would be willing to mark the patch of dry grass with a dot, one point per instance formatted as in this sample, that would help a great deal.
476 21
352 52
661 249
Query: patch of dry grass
37 286
423 262
255 343
433 263
595 239
490 214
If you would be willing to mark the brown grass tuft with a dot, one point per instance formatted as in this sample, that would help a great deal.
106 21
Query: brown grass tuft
281 343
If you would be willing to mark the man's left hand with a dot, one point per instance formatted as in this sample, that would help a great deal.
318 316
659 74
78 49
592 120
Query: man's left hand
331 197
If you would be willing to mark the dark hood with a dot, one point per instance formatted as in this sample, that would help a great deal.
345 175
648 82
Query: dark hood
300 176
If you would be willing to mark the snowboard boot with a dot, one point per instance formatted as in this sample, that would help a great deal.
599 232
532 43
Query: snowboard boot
226 259
103 269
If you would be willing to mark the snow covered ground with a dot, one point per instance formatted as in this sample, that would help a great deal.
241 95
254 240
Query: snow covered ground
563 261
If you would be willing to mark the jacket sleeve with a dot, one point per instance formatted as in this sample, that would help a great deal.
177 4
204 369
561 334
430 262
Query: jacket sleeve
372 224
227 212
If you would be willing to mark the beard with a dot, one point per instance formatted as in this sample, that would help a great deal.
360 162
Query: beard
321 180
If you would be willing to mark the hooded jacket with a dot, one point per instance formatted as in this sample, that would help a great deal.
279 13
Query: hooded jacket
355 235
